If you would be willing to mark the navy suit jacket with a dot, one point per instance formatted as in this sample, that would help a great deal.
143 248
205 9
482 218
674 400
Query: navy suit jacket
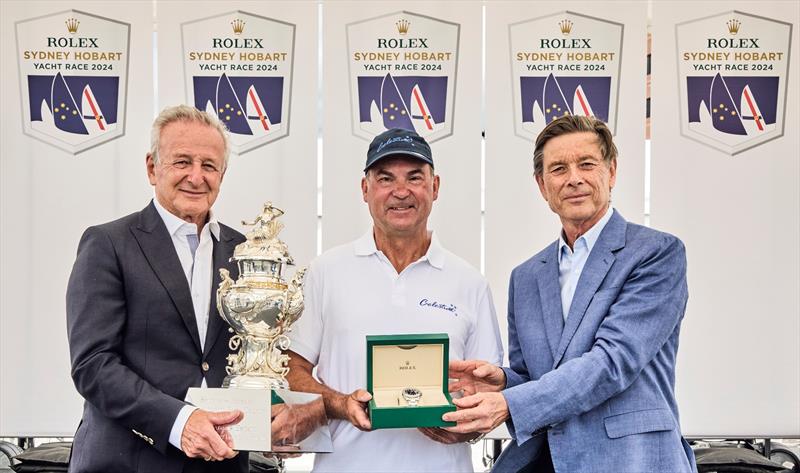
599 386
135 348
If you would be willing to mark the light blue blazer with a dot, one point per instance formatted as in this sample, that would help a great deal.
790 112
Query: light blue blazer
600 387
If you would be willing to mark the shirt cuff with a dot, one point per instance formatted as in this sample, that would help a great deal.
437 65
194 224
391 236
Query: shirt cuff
177 427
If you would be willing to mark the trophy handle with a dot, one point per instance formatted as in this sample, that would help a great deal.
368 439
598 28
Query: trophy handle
294 295
224 288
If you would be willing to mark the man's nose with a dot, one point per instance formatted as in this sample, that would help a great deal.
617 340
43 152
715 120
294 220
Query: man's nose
575 177
400 189
195 173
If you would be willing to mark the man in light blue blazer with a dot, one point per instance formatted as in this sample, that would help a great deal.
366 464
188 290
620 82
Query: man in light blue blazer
593 326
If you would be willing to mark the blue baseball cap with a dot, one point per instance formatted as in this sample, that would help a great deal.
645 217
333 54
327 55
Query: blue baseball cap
398 142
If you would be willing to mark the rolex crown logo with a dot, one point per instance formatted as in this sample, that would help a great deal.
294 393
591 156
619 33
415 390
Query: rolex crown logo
402 26
238 26
733 26
72 25
565 26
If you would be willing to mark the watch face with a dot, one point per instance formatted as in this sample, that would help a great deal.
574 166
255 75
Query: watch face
411 396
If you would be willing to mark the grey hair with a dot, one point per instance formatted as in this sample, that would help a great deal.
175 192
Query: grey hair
574 124
188 114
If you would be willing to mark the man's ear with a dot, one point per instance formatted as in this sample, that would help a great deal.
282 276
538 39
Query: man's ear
540 183
612 177
364 187
150 163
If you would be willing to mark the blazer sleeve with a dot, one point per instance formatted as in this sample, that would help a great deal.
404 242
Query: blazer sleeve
96 318
517 372
639 322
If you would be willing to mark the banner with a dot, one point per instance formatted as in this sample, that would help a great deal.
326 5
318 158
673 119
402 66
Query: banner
732 71
564 64
73 76
238 66
403 74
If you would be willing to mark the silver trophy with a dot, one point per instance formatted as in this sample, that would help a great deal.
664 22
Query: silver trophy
259 306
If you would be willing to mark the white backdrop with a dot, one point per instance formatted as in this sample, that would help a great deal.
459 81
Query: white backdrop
739 363
739 216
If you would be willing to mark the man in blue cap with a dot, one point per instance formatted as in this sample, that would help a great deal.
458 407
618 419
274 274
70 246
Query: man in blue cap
395 279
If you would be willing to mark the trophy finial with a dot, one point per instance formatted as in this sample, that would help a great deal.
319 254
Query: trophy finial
262 240
265 223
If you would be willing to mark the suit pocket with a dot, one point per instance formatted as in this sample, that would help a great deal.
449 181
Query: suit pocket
639 422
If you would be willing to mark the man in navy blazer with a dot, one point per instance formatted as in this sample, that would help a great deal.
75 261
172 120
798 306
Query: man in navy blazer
593 325
142 320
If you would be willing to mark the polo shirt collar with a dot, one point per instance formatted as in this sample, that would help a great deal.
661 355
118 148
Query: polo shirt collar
174 224
365 246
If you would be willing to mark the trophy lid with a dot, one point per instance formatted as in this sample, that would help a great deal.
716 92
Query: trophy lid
262 241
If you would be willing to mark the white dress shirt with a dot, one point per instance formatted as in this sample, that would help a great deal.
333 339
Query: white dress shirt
198 270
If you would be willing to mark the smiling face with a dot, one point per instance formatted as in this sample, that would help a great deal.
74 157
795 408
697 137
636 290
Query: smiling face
576 182
189 170
400 192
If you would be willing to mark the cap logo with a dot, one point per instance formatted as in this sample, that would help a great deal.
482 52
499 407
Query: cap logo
386 143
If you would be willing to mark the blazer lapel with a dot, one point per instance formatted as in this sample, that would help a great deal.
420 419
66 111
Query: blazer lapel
611 239
223 250
550 297
157 246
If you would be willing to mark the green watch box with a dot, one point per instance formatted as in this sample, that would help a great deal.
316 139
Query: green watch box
407 376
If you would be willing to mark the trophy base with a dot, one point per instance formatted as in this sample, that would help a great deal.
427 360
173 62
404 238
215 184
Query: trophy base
244 381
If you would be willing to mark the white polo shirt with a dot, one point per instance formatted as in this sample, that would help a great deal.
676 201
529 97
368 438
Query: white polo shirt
352 291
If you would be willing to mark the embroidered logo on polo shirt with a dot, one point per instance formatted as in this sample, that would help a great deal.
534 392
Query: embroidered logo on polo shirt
438 305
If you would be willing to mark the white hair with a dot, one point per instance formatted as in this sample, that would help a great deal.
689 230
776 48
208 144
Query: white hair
189 114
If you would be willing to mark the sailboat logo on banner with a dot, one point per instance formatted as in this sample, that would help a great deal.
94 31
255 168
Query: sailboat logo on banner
564 64
410 102
73 104
238 102
402 74
239 67
546 98
733 74
73 74
713 108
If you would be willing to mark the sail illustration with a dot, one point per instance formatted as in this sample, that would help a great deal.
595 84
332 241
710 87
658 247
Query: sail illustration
419 108
750 110
394 108
580 103
554 103
229 108
256 110
95 121
66 114
725 115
